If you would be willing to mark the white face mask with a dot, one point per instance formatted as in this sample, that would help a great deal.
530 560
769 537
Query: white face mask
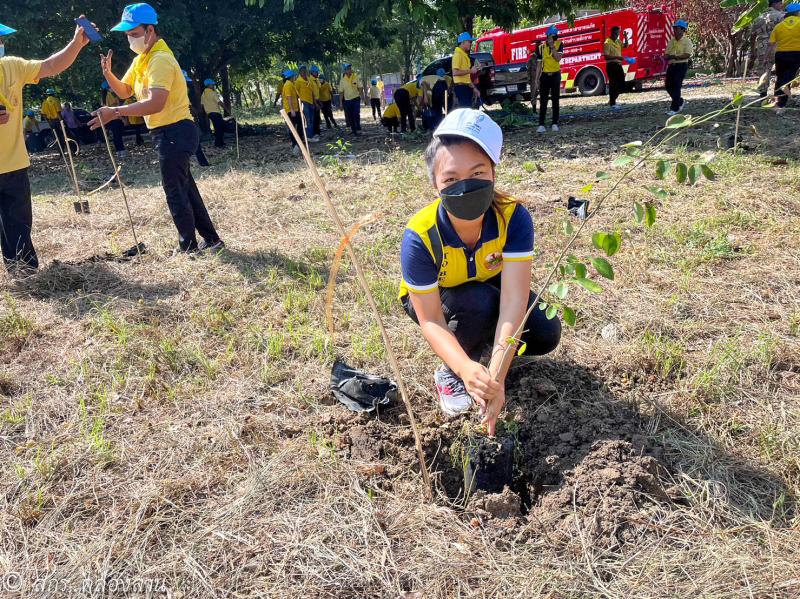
138 44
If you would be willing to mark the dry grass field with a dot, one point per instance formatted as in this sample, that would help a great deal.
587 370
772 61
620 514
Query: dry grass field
166 428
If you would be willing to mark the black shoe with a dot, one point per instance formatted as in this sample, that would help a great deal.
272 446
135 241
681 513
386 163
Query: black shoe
215 247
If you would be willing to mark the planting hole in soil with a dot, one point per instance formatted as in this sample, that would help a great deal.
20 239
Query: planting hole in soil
489 465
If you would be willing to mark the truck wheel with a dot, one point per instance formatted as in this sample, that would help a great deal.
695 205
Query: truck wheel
591 82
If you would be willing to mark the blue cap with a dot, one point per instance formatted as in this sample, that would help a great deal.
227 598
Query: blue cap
465 37
552 30
134 15
630 60
374 82
30 113
186 76
440 72
6 30
314 69
50 91
208 82
288 73
346 66
104 85
302 67
793 7
681 23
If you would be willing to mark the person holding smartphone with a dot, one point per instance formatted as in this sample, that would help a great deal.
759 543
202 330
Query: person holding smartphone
16 215
156 79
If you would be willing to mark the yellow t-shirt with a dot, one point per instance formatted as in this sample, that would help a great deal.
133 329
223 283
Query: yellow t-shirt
462 61
380 85
412 88
314 86
111 99
549 62
681 46
612 48
133 120
349 87
374 92
15 73
325 92
158 69
51 108
30 125
289 91
304 90
786 35
391 112
210 100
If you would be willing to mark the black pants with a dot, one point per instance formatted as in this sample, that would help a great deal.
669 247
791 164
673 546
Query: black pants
674 82
392 124
201 155
464 95
327 111
116 128
16 220
549 88
787 65
219 129
139 138
56 127
403 100
616 81
297 121
176 143
472 309
34 142
375 103
352 110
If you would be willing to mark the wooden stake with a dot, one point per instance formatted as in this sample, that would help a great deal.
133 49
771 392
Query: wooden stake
63 156
72 166
236 124
121 184
371 300
739 109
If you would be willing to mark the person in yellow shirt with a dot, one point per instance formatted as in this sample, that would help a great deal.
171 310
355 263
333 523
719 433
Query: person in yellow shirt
305 91
679 51
314 79
156 79
407 97
375 99
391 118
212 105
291 104
351 99
785 38
549 55
33 138
612 52
16 217
326 101
51 111
463 70
381 87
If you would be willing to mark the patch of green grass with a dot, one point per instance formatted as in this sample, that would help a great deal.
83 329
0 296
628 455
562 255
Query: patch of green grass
13 325
668 355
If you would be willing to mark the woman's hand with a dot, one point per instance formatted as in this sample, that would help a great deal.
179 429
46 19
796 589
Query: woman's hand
105 62
104 114
493 410
480 384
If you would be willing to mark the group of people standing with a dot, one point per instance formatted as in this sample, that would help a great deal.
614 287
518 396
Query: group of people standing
307 97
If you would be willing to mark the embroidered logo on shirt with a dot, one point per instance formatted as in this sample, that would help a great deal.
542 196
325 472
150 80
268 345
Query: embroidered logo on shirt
493 261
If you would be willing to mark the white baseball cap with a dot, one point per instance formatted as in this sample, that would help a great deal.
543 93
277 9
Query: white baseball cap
476 126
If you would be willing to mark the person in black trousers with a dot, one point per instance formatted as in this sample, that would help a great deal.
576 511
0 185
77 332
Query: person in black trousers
679 51
164 103
549 54
403 100
612 52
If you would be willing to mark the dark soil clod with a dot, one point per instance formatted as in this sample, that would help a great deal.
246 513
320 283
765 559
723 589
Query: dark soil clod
490 465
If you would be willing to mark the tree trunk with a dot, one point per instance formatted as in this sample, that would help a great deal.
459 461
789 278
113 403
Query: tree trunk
226 88
468 21
259 93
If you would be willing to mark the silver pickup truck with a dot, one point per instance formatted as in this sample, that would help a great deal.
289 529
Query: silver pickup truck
489 82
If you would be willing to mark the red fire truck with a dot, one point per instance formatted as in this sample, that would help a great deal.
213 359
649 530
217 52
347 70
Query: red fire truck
644 34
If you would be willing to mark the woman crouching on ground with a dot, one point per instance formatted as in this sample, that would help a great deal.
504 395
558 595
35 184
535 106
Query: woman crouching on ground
466 263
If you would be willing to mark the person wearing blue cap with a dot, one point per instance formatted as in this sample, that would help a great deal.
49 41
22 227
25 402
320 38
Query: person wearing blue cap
612 52
313 79
32 129
156 79
326 101
785 39
214 109
762 29
16 216
462 68
305 91
291 104
549 55
679 51
466 268
351 95
375 99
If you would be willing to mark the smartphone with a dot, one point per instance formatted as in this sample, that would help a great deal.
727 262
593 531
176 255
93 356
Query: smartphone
92 33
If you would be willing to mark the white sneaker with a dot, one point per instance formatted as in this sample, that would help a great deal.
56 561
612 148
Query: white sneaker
541 129
671 112
683 105
453 396
314 140
554 127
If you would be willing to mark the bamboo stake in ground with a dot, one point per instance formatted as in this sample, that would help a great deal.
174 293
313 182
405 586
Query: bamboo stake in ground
371 300
739 111
120 183
72 169
63 156
236 125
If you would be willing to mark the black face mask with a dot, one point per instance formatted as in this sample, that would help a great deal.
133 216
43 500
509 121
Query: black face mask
469 199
